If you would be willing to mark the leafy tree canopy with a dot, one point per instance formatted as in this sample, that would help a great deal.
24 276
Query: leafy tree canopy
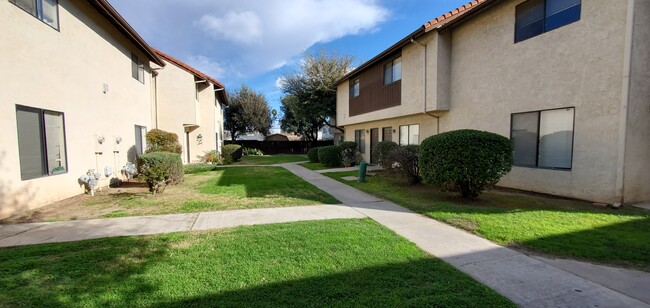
248 112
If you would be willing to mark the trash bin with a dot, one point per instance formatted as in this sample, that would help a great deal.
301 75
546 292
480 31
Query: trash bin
363 166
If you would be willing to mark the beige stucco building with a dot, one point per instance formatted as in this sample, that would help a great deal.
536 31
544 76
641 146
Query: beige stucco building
569 84
189 104
77 93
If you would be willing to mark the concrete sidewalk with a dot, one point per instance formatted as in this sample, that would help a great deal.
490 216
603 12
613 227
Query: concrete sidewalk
67 231
526 281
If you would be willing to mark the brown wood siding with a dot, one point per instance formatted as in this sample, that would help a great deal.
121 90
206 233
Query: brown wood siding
373 94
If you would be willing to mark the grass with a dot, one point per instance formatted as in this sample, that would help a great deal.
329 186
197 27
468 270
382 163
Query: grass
318 263
224 189
314 166
270 159
539 224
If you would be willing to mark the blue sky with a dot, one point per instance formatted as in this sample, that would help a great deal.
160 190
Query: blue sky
256 41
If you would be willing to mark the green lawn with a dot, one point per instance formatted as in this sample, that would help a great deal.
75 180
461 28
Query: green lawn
223 189
271 159
559 227
319 263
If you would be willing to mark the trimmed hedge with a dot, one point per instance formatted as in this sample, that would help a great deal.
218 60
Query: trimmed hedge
231 153
330 156
404 164
348 145
381 151
470 160
162 141
312 154
160 169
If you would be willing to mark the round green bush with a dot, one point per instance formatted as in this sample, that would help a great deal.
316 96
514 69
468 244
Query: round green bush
162 141
404 166
330 156
348 145
381 151
231 153
312 154
160 169
470 160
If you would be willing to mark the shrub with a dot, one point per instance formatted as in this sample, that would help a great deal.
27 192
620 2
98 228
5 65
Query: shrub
348 145
351 157
211 157
252 152
381 151
404 164
162 141
330 156
160 169
231 153
198 168
312 154
470 160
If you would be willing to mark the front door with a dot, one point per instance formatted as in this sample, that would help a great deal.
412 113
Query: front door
374 139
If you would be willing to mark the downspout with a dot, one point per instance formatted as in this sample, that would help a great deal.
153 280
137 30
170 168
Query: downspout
424 80
154 78
625 97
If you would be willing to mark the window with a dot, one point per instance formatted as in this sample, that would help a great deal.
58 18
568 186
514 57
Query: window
360 139
543 138
535 17
354 88
41 142
387 134
45 10
409 134
393 71
137 68
140 139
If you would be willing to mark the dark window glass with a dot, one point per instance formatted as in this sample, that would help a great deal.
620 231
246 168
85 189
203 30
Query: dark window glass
41 142
140 139
355 88
543 138
561 12
360 139
393 71
524 138
45 10
535 17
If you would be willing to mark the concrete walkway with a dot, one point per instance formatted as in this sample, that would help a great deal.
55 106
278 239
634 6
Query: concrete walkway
67 231
526 281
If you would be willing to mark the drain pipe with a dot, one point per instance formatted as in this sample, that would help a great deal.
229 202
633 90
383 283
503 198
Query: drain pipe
425 83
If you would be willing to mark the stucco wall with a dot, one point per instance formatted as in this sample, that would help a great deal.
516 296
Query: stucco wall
65 71
177 105
637 158
578 65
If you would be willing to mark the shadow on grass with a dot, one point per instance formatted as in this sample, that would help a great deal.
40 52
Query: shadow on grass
102 272
418 283
264 182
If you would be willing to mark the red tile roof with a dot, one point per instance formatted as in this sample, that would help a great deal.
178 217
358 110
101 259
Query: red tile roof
188 68
452 15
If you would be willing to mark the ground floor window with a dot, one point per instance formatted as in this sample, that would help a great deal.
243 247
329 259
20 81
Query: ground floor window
409 134
41 142
140 139
543 139
387 134
360 139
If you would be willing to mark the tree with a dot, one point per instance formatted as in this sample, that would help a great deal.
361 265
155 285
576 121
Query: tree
248 112
309 101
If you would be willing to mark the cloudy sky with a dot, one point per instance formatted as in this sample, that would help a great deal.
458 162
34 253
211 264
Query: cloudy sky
256 41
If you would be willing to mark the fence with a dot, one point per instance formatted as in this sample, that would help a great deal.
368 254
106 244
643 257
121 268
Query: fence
281 147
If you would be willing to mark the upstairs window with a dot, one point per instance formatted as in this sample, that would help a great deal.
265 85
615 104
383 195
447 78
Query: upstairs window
41 142
355 86
393 71
535 17
137 68
45 10
543 139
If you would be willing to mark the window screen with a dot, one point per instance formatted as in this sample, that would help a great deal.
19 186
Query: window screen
41 142
535 17
360 139
543 138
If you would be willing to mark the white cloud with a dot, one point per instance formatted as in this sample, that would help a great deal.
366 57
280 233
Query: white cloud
244 38
279 82
244 27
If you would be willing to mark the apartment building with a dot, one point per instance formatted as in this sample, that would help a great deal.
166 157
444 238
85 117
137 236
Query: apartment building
568 81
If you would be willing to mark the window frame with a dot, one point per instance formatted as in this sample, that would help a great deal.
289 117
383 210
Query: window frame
43 141
539 124
355 82
360 140
135 60
544 20
391 64
408 134
38 12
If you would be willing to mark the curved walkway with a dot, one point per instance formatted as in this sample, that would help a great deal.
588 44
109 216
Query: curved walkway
527 281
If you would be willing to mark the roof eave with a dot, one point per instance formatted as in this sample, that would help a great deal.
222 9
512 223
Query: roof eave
117 20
